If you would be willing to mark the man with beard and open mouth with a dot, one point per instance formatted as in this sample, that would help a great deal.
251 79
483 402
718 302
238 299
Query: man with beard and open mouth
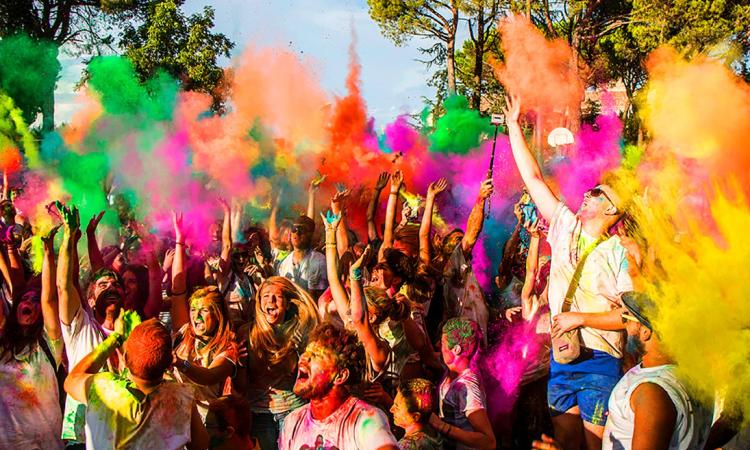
333 419
83 329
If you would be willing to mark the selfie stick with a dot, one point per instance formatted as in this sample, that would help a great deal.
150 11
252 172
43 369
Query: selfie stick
496 120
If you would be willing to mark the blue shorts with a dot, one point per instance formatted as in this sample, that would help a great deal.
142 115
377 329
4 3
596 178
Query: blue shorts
589 391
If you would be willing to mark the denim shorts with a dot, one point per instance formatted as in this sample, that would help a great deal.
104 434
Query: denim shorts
589 391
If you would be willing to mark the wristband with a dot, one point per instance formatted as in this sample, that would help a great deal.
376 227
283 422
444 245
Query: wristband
355 274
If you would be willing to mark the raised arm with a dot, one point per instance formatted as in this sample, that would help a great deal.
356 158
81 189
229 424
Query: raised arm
529 169
509 252
529 302
340 299
372 207
426 226
273 227
312 188
226 236
476 218
67 293
180 310
342 237
50 310
96 260
376 348
397 181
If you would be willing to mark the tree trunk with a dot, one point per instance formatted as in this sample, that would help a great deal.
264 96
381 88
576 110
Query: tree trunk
48 111
476 96
450 54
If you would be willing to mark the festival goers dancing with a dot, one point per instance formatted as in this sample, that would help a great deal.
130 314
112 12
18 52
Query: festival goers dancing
331 363
588 273
284 316
649 408
139 409
31 349
204 346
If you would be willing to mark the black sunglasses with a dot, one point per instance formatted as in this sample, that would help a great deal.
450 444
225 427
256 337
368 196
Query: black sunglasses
598 192
299 229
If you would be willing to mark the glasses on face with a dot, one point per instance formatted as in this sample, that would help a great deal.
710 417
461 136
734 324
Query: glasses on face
626 316
599 192
299 229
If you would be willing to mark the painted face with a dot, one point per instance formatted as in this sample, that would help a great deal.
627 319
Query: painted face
316 372
130 283
445 350
108 295
401 415
29 310
273 304
382 277
450 242
202 317
633 344
596 202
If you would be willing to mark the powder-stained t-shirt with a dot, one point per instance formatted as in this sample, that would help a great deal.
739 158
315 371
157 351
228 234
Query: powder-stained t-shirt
120 416
421 440
30 416
310 273
355 425
81 337
459 398
603 279
462 291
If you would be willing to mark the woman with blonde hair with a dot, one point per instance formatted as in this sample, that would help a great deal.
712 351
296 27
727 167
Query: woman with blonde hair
284 315
204 347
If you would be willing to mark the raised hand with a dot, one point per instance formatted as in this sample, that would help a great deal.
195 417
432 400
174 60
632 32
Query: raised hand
316 182
485 190
224 205
94 223
126 322
436 187
178 229
397 180
382 181
331 221
357 265
48 238
70 217
512 109
338 198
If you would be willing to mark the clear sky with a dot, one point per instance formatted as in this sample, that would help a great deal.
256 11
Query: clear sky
393 82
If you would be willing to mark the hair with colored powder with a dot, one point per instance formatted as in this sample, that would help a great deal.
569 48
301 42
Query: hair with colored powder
346 347
419 397
232 411
101 273
266 343
13 340
223 337
148 350
462 331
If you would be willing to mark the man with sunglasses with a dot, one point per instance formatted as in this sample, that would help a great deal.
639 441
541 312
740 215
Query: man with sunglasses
649 407
579 389
305 266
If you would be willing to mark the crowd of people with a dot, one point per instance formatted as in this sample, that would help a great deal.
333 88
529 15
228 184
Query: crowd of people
298 334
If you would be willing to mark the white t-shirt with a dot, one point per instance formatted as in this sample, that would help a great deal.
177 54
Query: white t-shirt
81 337
603 279
459 398
30 416
310 273
121 416
693 420
462 291
355 425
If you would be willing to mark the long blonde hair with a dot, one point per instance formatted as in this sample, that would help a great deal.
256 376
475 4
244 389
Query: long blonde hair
272 346
223 338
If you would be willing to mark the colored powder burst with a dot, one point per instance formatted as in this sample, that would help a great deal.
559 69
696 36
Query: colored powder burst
400 137
540 71
15 136
29 70
595 152
460 129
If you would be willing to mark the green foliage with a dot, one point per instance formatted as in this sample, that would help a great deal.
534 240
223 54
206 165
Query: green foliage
184 47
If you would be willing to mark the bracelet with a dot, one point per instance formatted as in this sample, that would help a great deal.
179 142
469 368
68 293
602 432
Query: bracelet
179 243
331 245
355 274
394 193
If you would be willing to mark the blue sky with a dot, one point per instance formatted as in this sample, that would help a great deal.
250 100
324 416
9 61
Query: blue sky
393 82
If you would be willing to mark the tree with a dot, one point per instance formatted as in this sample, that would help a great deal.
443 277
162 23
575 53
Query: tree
184 47
400 20
77 26
482 23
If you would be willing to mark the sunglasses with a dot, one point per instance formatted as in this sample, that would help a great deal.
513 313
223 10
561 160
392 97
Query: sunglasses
299 229
599 192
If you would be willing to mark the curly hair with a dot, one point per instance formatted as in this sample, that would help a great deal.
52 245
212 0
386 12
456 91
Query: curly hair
223 337
302 315
419 397
462 331
348 350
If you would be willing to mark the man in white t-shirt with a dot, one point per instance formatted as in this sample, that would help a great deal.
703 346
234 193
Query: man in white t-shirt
579 390
83 329
649 407
333 419
303 265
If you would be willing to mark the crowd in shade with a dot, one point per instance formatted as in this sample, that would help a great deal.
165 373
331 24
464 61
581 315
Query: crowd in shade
173 277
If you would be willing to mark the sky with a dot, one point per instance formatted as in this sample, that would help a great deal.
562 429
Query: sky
320 32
